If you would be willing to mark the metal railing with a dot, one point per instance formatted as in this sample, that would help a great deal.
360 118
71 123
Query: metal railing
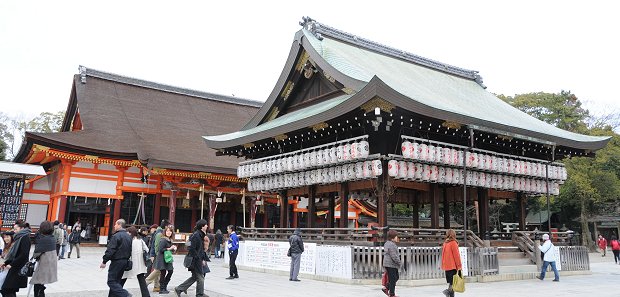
420 262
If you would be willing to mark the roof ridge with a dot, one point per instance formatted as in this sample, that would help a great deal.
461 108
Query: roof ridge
319 30
85 72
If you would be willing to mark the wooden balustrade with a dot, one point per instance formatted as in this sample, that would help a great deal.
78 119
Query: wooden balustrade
574 258
360 236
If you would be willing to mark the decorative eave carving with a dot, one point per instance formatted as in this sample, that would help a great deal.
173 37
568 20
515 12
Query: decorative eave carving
375 102
319 126
451 125
280 137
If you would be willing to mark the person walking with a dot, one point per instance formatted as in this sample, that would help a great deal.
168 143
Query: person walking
602 244
391 262
45 252
15 259
219 238
196 251
450 260
65 240
295 250
74 241
58 236
615 248
163 263
138 267
154 247
117 252
233 251
549 250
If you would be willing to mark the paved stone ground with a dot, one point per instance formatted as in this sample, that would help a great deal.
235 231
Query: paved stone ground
83 278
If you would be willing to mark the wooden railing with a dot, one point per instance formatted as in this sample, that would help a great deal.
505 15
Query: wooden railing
360 236
523 240
420 262
574 258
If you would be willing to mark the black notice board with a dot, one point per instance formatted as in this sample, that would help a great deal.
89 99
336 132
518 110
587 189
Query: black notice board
11 192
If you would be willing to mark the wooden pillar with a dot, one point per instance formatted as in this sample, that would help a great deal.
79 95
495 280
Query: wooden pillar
265 217
483 209
416 209
381 197
157 209
344 205
172 205
521 205
117 213
332 210
295 217
435 196
253 212
311 207
212 209
283 210
446 208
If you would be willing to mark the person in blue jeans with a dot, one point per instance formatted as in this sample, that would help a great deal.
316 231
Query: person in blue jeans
233 251
550 255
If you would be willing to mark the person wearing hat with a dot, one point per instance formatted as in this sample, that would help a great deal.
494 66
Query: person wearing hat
550 255
295 250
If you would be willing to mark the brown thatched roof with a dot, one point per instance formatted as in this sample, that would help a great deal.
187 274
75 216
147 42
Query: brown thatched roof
158 124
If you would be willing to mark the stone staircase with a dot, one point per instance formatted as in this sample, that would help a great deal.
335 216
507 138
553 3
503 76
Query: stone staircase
513 260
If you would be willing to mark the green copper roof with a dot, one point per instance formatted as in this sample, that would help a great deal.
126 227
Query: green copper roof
430 87
293 120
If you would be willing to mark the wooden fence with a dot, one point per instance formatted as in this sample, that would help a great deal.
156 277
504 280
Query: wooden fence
574 258
420 262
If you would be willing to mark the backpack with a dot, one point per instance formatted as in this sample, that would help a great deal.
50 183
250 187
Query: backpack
615 245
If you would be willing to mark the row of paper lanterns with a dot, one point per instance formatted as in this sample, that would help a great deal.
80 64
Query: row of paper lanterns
306 159
448 175
334 174
479 161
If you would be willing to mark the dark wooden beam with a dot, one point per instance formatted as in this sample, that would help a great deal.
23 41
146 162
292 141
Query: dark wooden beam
361 185
283 209
502 194
298 191
483 211
409 184
521 204
311 207
435 196
331 188
382 198
446 208
344 205
416 210
332 210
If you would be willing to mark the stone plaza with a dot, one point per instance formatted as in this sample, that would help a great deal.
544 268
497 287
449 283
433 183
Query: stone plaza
82 277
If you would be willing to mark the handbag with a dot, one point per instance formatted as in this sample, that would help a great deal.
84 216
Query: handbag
458 282
147 260
129 265
288 254
168 256
3 274
187 261
28 268
205 268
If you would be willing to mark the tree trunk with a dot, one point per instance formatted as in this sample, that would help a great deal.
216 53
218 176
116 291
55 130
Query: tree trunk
586 236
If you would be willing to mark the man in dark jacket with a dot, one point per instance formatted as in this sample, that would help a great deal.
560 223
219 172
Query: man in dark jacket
295 251
74 241
197 252
16 259
118 252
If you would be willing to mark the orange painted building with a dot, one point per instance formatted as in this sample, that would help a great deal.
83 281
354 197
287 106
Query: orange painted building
132 149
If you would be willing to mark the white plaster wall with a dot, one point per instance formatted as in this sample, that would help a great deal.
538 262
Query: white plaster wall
78 184
107 167
36 214
84 164
38 197
42 184
133 169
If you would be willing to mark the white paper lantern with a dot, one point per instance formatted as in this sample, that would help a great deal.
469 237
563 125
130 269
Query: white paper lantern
338 174
426 172
481 161
402 169
368 169
346 152
333 155
406 149
363 149
415 151
419 169
441 175
456 176
447 156
449 175
431 153
423 152
393 168
359 170
354 151
377 169
439 154
410 170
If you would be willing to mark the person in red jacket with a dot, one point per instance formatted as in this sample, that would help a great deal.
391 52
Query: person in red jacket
450 260
602 244
615 248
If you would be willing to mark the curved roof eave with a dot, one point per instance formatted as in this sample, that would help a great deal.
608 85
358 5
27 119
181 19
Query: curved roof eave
376 87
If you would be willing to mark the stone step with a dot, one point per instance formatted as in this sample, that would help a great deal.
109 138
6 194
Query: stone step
517 269
506 249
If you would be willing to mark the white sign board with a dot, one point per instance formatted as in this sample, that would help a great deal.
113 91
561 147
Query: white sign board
334 261
463 252
558 262
272 255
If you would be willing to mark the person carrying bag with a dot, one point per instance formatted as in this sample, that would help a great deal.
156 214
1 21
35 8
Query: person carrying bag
451 264
45 253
